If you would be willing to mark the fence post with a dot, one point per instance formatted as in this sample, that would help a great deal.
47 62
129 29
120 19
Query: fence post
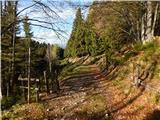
137 74
37 90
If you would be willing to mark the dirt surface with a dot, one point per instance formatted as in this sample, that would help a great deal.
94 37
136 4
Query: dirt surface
80 96
90 96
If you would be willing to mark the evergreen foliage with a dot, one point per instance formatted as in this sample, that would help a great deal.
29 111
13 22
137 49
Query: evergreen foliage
38 62
76 36
83 40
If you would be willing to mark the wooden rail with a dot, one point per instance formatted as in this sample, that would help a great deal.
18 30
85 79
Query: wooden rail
24 80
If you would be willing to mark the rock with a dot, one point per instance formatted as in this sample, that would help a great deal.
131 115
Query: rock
48 110
106 116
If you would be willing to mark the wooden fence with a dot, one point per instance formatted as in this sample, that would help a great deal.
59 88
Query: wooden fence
24 83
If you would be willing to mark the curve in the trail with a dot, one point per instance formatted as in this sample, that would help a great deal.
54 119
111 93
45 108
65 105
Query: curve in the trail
77 91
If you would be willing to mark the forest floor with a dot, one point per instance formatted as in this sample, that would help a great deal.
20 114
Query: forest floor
89 95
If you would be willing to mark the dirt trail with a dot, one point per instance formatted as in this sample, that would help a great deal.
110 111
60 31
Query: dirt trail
90 96
80 97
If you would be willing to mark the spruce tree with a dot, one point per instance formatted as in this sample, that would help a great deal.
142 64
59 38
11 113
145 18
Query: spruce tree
28 36
76 36
8 15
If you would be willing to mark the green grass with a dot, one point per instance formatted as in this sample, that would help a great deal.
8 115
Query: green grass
144 47
149 49
117 82
70 68
157 72
96 104
156 98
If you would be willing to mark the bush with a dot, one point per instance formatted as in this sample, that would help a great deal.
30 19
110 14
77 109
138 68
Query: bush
7 102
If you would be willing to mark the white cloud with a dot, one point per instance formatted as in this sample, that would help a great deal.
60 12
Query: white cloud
67 13
49 37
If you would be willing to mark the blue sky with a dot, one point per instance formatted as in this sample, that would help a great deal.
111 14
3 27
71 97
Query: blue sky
66 12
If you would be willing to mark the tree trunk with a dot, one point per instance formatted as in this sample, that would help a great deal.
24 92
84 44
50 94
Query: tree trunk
57 82
37 90
138 30
8 81
52 82
50 66
13 51
136 75
1 7
149 22
142 29
29 70
154 19
46 81
49 58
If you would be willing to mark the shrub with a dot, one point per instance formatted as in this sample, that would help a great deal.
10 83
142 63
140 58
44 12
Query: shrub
7 102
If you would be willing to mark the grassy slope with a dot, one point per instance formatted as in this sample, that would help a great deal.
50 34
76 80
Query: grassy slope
133 103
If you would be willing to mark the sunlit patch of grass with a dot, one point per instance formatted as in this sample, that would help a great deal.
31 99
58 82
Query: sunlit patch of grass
73 70
144 47
116 82
119 81
69 68
148 49
96 104
157 72
155 98
82 68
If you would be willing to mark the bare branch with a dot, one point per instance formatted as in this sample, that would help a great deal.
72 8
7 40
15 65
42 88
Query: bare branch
25 9
57 32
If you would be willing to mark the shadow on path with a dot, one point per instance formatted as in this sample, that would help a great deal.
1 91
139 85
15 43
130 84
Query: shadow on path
77 83
80 82
155 115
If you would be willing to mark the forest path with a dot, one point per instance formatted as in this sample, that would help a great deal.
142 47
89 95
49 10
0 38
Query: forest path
93 95
82 96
